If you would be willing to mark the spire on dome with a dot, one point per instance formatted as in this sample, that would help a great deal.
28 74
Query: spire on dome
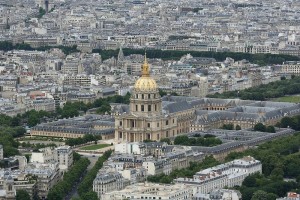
145 67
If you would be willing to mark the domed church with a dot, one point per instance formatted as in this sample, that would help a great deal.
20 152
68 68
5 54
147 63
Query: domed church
146 119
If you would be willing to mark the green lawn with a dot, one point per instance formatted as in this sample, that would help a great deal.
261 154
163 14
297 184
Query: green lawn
292 99
95 147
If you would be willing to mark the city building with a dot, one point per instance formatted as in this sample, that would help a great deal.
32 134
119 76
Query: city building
290 196
64 156
102 125
107 182
47 176
152 191
225 175
291 68
219 194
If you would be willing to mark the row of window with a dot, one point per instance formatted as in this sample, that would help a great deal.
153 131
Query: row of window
143 96
148 124
142 108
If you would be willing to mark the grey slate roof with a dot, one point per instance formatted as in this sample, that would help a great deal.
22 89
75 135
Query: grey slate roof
177 107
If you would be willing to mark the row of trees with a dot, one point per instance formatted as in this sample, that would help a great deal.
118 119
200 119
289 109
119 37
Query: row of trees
61 189
261 59
197 141
194 167
85 188
231 127
8 46
74 109
31 118
263 128
263 92
257 127
37 146
82 140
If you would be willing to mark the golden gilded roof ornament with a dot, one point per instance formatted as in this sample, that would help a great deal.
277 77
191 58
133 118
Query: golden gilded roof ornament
145 68
145 83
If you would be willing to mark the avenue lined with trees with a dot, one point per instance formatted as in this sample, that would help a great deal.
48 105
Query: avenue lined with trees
85 188
63 187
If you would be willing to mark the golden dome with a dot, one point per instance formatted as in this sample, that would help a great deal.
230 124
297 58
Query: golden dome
145 83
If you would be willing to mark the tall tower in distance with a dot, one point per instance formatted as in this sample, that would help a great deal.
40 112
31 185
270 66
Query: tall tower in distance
121 58
47 6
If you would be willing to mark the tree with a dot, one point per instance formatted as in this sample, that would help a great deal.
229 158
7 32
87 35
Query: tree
166 140
228 126
33 120
238 127
166 180
250 181
260 127
42 12
272 196
293 76
282 78
260 195
91 195
22 195
270 129
182 139
247 193
286 122
162 93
